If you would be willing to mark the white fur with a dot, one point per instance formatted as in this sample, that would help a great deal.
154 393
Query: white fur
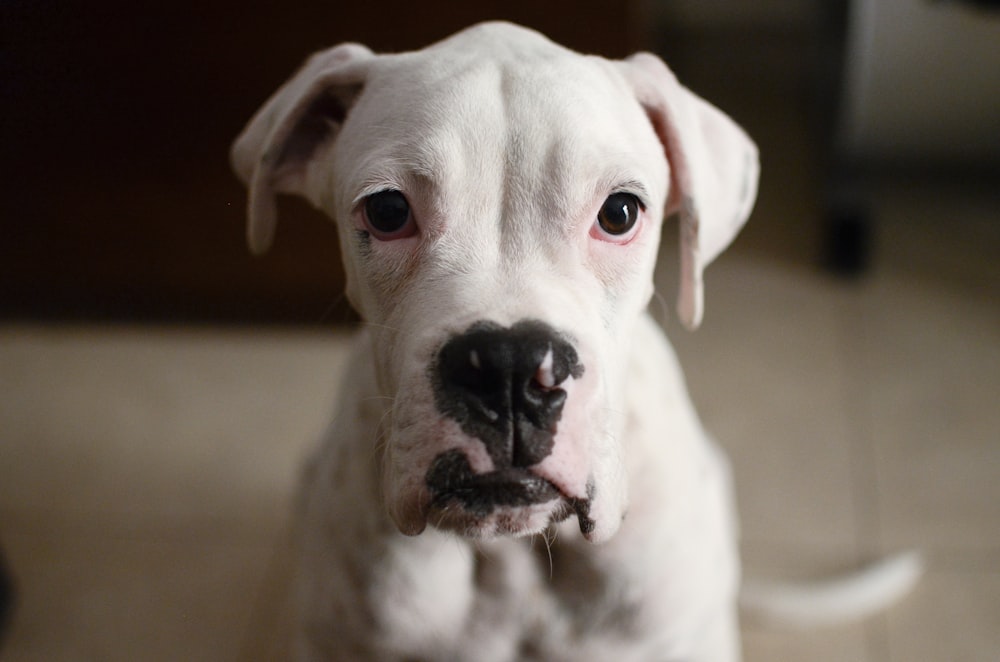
841 599
506 145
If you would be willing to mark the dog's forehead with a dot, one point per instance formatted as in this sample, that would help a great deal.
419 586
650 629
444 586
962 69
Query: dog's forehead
499 102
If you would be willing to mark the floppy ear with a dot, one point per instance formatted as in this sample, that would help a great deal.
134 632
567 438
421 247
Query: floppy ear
273 153
714 171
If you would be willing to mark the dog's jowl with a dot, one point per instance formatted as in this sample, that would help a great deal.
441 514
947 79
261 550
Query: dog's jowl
515 471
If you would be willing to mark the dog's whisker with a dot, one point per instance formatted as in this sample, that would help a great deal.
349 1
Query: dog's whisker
380 441
548 551
372 398
664 307
333 305
379 325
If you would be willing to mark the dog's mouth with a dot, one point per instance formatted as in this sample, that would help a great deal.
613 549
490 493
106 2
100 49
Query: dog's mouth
452 483
451 479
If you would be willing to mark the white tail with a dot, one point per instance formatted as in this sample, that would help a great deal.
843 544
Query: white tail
834 601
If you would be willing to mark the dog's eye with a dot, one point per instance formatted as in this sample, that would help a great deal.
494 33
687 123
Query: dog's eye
619 213
387 215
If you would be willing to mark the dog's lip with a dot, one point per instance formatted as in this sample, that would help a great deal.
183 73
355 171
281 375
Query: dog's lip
451 482
451 478
504 487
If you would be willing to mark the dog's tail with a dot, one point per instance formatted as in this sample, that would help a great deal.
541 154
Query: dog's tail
833 601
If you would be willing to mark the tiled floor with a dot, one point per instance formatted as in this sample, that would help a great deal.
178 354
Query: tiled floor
146 474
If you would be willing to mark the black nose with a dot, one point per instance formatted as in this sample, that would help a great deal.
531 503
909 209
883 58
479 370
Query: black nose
501 385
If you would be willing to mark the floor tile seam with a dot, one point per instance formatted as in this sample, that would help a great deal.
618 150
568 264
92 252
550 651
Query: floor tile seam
961 562
805 548
852 339
158 528
185 334
857 397
262 601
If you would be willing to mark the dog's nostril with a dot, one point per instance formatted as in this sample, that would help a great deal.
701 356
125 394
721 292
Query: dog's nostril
466 369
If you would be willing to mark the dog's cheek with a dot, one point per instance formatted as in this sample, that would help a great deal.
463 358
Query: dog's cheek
406 459
408 513
608 486
625 274
415 436
355 252
378 273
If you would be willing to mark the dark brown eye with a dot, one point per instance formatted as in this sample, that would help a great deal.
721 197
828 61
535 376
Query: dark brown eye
619 213
387 215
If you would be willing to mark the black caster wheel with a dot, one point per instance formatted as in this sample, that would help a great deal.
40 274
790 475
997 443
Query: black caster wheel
6 597
848 240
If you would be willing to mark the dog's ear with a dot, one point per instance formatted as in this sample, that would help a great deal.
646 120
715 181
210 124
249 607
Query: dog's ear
714 170
273 153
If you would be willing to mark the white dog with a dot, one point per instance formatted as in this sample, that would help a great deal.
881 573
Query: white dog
515 471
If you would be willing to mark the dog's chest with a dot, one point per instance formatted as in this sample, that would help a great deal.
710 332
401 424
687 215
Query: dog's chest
523 600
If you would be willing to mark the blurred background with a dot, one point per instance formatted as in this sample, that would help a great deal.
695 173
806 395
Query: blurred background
119 203
159 386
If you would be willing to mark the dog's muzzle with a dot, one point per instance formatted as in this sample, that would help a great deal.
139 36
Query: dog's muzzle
502 386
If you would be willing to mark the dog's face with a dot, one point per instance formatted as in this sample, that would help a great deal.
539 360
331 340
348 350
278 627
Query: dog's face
521 229
499 201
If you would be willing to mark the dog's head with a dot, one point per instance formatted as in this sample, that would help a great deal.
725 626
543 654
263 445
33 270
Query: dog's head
499 200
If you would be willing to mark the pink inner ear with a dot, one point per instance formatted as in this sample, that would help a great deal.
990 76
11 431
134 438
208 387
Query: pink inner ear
274 150
318 123
690 295
262 215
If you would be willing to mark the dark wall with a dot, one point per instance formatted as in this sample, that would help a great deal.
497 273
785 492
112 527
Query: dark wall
115 126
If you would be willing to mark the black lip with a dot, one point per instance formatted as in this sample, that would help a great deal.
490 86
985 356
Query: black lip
451 478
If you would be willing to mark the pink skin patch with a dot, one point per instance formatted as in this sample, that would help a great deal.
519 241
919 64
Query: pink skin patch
568 465
545 376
